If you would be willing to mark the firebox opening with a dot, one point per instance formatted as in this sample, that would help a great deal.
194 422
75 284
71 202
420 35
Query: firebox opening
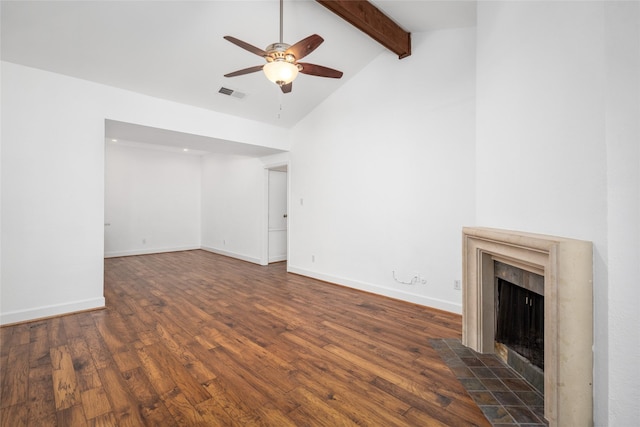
520 321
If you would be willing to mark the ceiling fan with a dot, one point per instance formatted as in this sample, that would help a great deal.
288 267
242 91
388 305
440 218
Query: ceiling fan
282 65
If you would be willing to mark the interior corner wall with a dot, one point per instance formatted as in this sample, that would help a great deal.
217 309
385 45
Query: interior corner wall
382 175
548 115
232 206
52 196
152 200
622 38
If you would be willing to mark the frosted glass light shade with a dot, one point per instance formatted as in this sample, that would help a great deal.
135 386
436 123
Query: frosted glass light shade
280 72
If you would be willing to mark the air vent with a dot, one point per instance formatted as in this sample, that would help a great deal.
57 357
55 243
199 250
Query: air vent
231 92
225 91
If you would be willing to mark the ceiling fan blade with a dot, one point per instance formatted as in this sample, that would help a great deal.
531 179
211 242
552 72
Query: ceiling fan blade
305 46
246 46
319 70
245 71
287 88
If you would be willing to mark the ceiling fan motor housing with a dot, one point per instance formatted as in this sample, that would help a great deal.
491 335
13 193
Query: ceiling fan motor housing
278 52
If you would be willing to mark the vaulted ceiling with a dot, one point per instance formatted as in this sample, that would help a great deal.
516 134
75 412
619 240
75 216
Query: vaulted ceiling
175 49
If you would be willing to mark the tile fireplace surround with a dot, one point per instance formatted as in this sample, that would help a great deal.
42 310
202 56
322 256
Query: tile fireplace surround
567 267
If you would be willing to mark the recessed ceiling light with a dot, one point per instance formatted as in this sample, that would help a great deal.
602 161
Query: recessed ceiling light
114 140
185 149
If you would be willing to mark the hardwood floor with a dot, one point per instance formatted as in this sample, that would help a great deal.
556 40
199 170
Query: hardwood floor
197 339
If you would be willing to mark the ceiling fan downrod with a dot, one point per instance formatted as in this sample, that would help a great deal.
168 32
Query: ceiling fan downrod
281 18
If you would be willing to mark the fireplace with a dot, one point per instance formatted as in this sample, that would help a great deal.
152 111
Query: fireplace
566 266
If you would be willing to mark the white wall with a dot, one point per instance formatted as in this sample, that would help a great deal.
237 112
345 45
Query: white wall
622 328
557 153
382 174
152 200
233 206
53 182
52 196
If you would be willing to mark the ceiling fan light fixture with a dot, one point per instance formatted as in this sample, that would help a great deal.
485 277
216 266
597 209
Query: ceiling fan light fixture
280 72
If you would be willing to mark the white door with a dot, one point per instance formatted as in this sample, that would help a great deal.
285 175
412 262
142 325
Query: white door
277 216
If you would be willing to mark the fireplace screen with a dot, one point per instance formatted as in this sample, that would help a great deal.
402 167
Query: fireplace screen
520 321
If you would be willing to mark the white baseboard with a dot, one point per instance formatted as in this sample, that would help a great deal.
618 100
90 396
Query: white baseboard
50 310
149 251
278 258
375 289
231 254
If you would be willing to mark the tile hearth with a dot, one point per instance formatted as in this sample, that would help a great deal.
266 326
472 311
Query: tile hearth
504 397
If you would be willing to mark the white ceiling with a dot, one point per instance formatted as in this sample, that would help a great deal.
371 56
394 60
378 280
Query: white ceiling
149 137
175 49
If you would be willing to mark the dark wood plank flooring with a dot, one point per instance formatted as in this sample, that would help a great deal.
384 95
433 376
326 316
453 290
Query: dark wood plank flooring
197 339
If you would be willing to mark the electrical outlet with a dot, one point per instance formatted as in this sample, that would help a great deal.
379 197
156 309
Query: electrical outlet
457 285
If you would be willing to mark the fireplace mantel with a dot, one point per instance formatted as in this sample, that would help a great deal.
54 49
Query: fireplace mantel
567 267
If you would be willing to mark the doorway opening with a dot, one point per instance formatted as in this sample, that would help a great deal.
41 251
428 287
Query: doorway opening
275 248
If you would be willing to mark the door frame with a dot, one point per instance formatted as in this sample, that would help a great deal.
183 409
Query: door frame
282 167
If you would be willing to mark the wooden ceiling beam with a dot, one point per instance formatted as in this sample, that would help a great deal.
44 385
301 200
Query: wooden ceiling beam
372 21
